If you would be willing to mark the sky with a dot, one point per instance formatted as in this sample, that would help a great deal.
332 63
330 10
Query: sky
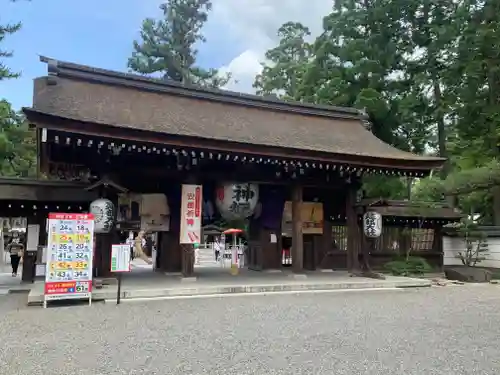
100 33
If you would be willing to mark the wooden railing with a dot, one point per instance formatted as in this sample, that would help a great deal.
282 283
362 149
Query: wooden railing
392 239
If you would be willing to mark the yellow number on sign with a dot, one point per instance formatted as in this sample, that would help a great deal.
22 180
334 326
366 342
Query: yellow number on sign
80 265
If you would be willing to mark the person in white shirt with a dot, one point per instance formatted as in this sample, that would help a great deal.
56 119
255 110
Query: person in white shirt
217 248
130 242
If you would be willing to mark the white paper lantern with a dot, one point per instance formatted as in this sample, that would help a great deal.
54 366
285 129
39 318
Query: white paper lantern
372 224
237 201
104 215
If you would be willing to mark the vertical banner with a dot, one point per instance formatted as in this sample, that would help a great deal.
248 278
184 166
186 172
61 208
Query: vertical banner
70 245
191 214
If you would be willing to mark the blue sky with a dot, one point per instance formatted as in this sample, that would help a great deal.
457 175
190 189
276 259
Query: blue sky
91 32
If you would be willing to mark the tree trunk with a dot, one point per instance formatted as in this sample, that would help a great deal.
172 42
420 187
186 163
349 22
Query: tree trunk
443 152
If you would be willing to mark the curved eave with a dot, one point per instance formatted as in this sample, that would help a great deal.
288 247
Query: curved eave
77 126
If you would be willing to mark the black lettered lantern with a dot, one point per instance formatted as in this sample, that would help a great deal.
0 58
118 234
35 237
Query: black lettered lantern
372 224
104 215
237 201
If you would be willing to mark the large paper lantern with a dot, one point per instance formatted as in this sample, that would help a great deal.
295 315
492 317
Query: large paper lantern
104 215
372 224
237 201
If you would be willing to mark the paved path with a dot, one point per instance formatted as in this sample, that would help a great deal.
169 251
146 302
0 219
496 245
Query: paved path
206 258
138 263
444 331
6 280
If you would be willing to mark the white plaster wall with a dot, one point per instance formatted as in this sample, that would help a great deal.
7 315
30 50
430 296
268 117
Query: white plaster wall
453 245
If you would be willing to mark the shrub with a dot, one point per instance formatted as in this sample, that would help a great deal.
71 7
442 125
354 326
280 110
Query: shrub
406 267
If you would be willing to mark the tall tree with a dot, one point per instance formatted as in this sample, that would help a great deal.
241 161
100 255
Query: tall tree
5 31
286 63
474 80
352 63
432 30
168 45
17 141
427 73
17 144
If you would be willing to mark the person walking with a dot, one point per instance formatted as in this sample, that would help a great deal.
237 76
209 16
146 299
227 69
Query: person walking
139 245
130 242
217 248
16 250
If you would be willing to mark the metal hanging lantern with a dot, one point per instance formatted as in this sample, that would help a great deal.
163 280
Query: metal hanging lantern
237 201
372 224
104 215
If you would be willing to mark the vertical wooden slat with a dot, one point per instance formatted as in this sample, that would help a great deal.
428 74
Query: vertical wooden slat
297 235
352 231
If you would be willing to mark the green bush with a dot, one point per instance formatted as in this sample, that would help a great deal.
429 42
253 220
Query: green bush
406 267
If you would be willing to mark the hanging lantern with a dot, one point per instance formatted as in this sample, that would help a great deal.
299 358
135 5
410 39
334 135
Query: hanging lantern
237 201
372 224
104 215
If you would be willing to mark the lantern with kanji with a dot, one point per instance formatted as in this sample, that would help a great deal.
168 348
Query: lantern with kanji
104 215
372 224
237 201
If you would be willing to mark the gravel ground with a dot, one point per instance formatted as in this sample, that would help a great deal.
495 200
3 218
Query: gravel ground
449 330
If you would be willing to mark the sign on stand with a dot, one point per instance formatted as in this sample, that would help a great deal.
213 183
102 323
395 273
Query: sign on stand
68 273
120 262
120 258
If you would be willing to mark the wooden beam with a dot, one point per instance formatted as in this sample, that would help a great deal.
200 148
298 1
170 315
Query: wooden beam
44 193
243 175
297 235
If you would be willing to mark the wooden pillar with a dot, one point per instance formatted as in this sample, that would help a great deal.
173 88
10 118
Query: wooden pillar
29 264
42 165
187 256
102 251
326 242
297 235
353 235
437 245
169 248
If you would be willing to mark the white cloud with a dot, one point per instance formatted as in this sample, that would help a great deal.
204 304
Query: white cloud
243 69
254 24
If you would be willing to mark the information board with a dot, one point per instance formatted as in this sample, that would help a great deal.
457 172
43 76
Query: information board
70 245
120 258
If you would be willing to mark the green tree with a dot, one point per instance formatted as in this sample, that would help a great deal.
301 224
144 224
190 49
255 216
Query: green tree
286 63
168 45
5 31
352 63
17 141
477 74
17 144
427 74
471 80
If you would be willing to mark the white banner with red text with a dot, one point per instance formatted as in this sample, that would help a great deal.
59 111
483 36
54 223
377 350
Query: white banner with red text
191 214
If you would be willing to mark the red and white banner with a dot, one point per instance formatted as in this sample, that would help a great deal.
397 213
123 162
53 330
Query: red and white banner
191 214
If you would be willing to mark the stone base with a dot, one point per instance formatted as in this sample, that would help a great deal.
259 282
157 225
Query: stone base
287 284
468 274
298 276
172 273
